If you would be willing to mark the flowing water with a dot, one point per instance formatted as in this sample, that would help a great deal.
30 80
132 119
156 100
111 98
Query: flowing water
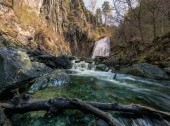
102 47
88 84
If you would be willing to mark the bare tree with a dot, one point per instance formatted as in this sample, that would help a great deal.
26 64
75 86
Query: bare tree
122 6
137 14
153 6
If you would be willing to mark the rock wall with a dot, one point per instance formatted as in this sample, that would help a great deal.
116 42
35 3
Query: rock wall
71 19
54 26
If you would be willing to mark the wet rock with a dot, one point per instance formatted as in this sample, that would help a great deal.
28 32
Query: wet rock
99 59
145 70
91 66
77 61
167 70
62 62
87 60
111 62
3 119
80 66
101 123
55 62
56 78
101 67
15 66
112 69
72 58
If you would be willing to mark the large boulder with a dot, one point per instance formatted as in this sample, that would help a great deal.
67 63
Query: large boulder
56 62
57 78
60 62
102 67
150 71
15 66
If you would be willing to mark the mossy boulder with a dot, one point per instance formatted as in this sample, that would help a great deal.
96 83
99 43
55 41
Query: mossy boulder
16 66
56 78
146 70
102 67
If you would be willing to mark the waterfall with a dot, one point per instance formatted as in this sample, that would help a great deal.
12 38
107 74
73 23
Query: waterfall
101 47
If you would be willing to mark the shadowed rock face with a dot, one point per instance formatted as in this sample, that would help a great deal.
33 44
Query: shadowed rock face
15 66
71 19
56 62
53 62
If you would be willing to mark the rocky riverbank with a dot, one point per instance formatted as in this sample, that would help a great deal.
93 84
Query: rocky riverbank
20 66
32 71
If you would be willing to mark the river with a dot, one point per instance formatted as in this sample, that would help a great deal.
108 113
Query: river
91 85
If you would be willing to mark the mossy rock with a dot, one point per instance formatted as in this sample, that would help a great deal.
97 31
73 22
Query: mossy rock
145 70
150 71
56 78
132 71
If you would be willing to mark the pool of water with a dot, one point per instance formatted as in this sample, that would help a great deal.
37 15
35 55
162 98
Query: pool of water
100 86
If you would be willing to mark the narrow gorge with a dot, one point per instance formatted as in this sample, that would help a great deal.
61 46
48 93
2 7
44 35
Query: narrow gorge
55 27
63 64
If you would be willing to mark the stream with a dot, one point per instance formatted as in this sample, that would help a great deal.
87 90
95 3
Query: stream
89 84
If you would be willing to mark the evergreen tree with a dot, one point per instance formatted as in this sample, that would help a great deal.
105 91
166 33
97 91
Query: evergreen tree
99 16
106 10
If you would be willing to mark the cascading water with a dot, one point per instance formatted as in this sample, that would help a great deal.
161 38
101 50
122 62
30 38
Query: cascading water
127 89
83 66
101 48
91 85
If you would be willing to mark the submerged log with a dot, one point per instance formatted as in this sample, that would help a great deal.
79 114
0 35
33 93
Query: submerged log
53 105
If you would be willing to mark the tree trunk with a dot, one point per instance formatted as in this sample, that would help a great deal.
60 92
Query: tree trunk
140 29
154 25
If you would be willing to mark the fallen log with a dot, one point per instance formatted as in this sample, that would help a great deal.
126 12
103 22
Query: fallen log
53 105
132 108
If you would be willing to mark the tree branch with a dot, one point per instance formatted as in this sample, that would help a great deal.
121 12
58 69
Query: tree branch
132 108
53 105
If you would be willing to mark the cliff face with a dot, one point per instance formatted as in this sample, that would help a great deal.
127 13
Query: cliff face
53 26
